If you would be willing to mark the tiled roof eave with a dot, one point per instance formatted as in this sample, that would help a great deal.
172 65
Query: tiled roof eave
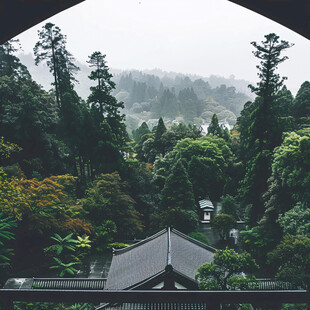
120 251
203 245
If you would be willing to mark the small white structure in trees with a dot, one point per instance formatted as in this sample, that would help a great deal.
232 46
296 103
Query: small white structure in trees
206 209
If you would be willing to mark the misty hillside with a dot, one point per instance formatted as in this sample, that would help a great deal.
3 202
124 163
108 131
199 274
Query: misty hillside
175 98
151 94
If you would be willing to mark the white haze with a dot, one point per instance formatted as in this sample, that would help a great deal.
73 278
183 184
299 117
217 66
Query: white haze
201 37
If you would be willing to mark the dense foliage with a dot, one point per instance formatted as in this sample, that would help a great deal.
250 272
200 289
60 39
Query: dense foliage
225 271
72 179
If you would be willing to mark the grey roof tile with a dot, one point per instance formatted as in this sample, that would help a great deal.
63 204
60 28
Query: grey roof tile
148 258
139 262
188 255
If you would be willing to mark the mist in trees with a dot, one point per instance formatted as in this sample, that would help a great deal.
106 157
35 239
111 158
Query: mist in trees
71 166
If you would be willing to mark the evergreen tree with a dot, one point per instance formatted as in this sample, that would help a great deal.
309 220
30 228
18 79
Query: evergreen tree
160 130
269 54
214 128
169 104
70 130
110 131
178 190
177 203
51 48
243 123
263 132
28 117
101 94
141 131
10 64
301 105
189 103
200 174
283 112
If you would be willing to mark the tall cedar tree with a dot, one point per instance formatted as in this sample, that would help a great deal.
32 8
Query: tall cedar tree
269 54
264 134
101 94
110 131
103 104
178 190
160 130
51 48
140 132
178 204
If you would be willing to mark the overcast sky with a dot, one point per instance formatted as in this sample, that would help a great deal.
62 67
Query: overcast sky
189 36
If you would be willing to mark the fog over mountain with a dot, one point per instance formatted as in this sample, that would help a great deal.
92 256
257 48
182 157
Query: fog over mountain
150 94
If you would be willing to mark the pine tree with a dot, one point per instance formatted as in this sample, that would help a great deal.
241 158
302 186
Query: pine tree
178 190
262 134
214 128
269 54
141 131
160 130
101 94
178 204
51 48
110 131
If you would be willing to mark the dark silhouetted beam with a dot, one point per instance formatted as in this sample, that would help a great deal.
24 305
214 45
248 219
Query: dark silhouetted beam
157 296
17 16
293 14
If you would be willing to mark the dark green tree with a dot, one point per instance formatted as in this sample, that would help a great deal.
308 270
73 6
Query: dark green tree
71 131
301 105
222 224
10 65
269 54
230 206
107 200
244 121
292 259
177 204
189 104
110 131
141 131
101 95
296 221
51 48
263 131
168 104
199 170
211 166
225 271
160 130
214 128
28 116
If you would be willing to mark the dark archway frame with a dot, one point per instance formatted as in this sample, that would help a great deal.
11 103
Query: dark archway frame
17 16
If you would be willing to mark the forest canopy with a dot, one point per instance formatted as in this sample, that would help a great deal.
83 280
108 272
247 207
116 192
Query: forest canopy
74 176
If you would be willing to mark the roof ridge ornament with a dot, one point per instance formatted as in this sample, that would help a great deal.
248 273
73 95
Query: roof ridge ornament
169 247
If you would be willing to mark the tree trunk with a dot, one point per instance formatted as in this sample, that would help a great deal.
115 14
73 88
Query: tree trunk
55 70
